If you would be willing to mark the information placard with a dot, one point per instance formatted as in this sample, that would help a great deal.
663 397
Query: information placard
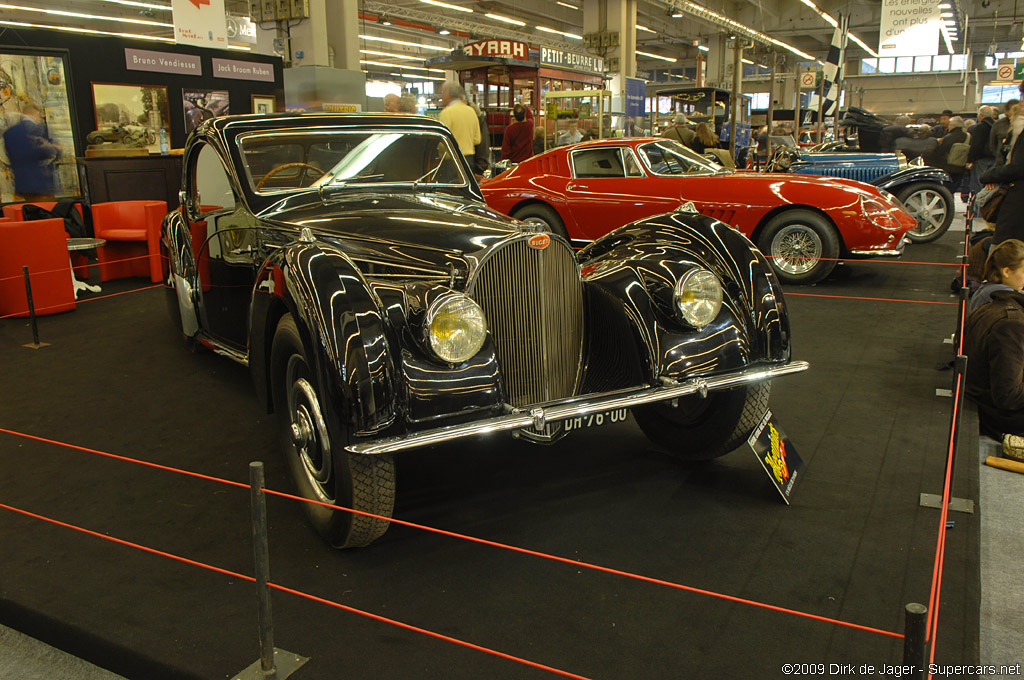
777 454
909 28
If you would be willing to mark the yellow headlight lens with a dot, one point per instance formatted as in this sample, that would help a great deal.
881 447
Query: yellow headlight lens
456 328
698 297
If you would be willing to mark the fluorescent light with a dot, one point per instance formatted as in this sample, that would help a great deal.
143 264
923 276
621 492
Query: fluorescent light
657 56
498 17
242 48
703 48
80 15
644 28
443 31
402 66
747 61
565 4
74 29
447 6
945 5
409 76
146 5
676 14
391 54
946 15
403 42
567 35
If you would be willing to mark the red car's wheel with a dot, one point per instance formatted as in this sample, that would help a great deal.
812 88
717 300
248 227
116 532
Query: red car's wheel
801 245
543 215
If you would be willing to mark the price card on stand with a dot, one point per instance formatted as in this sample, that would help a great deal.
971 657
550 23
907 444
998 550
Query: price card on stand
777 455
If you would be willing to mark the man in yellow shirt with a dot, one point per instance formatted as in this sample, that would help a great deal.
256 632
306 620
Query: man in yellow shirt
460 119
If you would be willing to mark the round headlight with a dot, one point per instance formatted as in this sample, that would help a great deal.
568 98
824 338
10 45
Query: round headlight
455 328
698 297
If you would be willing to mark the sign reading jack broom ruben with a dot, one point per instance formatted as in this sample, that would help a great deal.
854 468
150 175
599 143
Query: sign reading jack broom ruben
777 454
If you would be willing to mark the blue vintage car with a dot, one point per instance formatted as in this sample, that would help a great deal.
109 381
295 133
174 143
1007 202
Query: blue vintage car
922 189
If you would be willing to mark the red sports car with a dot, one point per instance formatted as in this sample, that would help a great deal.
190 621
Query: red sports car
802 223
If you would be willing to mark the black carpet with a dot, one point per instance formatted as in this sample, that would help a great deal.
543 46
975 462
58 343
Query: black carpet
854 545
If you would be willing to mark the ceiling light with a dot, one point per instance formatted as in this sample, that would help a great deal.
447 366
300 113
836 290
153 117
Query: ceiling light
144 5
447 6
443 31
644 28
703 48
409 76
835 24
74 29
391 54
507 20
406 43
747 61
80 15
675 14
567 35
401 66
946 15
383 21
945 5
565 4
656 56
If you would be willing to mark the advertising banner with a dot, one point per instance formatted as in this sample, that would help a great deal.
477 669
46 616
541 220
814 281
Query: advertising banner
636 97
777 455
200 22
909 28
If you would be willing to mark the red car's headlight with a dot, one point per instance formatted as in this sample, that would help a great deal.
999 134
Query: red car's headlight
882 214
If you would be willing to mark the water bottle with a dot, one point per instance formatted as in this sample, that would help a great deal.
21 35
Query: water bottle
165 142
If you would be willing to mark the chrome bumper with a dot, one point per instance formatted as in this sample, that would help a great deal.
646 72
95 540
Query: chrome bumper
539 415
893 252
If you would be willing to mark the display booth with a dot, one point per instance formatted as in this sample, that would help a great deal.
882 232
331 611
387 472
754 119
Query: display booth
498 74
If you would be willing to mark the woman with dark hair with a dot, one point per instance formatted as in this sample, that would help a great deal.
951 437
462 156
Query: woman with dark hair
994 343
1003 267
704 137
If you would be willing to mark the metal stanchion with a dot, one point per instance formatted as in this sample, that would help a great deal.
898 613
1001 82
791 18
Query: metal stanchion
913 639
32 313
931 500
273 663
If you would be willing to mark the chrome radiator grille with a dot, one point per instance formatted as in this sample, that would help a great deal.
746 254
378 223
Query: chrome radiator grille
533 300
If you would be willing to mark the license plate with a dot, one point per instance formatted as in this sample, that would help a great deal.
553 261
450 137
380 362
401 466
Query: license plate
596 419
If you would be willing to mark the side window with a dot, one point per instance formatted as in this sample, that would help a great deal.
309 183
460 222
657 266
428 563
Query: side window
662 163
602 162
211 184
630 163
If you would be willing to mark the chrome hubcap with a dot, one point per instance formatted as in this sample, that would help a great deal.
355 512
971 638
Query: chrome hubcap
539 222
796 249
928 206
308 430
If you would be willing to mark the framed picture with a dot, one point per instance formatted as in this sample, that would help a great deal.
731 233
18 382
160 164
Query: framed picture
200 105
36 112
140 109
263 103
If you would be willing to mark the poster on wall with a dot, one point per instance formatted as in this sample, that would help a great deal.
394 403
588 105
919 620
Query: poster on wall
203 105
200 22
140 110
909 29
38 151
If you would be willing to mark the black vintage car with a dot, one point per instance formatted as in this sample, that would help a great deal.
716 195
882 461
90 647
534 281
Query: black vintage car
380 305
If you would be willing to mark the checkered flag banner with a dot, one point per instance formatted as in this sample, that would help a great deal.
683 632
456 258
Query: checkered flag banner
833 71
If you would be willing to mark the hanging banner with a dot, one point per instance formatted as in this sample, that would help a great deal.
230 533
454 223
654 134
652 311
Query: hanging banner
200 22
909 28
636 97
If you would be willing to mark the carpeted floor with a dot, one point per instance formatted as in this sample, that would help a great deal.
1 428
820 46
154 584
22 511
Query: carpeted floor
854 545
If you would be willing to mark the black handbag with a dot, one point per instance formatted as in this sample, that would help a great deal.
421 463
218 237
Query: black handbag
990 210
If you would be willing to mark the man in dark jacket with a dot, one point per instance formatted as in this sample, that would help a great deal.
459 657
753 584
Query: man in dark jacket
1000 128
517 144
31 155
994 343
980 158
893 132
940 157
940 129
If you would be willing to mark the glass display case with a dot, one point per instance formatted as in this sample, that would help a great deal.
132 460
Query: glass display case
572 116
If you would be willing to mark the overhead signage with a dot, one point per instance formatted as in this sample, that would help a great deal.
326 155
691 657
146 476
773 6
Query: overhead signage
909 28
510 49
1018 72
809 79
200 22
162 62
1005 72
571 60
777 455
242 70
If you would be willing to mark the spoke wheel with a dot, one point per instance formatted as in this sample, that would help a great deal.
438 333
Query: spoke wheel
801 245
313 440
932 206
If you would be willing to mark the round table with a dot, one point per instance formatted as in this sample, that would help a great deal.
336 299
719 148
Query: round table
83 244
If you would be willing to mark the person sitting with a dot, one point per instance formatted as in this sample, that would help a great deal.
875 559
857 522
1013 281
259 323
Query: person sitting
994 344
1002 265
703 138
570 135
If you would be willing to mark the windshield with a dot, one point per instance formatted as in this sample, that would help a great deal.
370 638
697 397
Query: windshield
666 157
288 160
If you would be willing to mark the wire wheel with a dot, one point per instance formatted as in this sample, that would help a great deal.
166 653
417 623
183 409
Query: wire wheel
796 249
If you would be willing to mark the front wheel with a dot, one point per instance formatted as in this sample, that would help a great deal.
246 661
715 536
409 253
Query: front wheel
542 215
698 428
314 442
802 246
932 205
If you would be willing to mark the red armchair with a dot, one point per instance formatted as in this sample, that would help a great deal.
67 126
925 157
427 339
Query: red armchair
132 232
13 213
41 245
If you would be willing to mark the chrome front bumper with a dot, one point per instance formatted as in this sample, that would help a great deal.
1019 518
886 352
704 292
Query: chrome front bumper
892 252
542 414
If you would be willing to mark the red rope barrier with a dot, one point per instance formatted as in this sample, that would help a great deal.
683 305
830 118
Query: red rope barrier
285 589
88 299
79 266
873 299
481 541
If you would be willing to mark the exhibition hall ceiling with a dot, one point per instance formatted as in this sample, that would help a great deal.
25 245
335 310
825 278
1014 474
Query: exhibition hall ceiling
982 25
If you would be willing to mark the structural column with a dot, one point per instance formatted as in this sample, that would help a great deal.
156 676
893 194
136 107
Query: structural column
612 16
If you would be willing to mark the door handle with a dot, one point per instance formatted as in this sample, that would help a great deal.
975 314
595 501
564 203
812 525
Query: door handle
572 187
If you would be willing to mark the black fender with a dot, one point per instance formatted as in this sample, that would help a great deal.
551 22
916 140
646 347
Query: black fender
342 328
752 326
180 274
893 181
